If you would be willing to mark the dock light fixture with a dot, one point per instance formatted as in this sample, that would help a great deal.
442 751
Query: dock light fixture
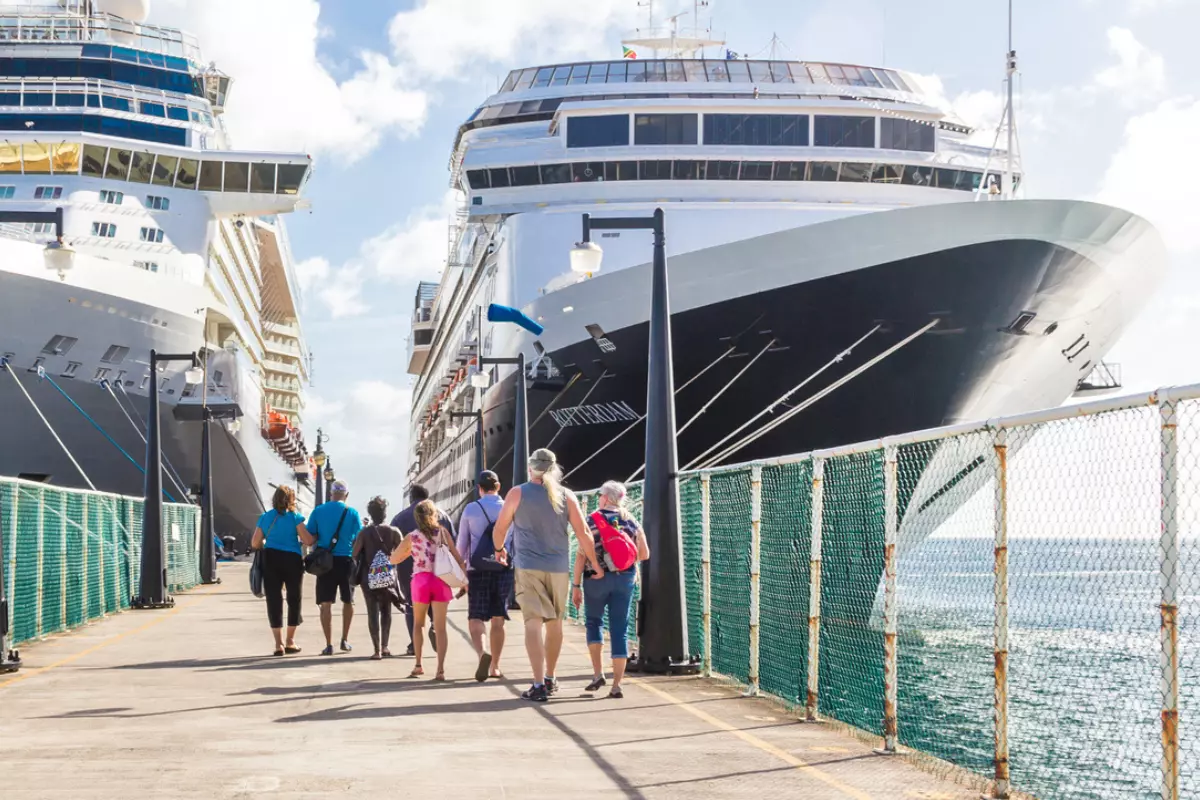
480 380
664 645
153 586
330 477
452 431
318 458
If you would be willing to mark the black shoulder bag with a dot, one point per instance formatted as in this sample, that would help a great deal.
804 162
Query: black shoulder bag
320 560
483 558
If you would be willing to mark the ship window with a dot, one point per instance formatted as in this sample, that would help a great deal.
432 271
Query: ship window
153 109
105 230
791 171
620 171
598 73
498 178
556 173
10 98
72 368
887 173
610 130
665 129
210 176
59 345
869 78
855 173
164 173
38 99
262 178
156 203
69 99
543 77
561 76
530 107
177 113
149 266
756 170
760 72
918 176
656 72
636 72
904 134
823 171
526 79
884 79
143 167
853 76
7 192
816 73
118 164
1022 321
690 170
290 177
525 176
587 172
478 179
47 193
617 72
37 159
64 158
723 170
510 81
717 71
779 72
115 103
112 198
237 176
185 178
759 130
40 227
101 374
154 235
836 75
654 170
738 72
93 160
845 131
675 72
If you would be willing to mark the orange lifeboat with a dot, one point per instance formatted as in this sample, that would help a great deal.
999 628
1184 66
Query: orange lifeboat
277 426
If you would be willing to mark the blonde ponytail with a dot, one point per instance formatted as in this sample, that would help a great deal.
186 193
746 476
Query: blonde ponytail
544 465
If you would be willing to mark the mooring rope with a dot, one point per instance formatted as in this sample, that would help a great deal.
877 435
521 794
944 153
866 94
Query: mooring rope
172 473
8 368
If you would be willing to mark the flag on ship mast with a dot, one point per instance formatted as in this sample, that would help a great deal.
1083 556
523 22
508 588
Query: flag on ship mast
627 53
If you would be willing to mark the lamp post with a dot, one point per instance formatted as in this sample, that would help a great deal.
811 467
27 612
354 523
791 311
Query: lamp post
520 470
478 417
153 586
208 553
319 462
662 613
329 478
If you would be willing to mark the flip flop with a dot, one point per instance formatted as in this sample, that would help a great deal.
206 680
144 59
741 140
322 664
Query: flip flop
439 678
291 649
416 673
485 664
278 651
376 657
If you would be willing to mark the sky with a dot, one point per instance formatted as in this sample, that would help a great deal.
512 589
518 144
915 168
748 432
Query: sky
375 90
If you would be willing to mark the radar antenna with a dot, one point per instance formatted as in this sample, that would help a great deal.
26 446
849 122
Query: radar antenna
670 40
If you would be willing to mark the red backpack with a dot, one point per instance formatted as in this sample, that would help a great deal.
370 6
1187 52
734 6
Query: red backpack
621 550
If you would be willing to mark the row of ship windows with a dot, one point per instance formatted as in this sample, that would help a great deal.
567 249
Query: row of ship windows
36 158
108 230
107 196
698 71
750 130
64 99
845 172
95 123
120 72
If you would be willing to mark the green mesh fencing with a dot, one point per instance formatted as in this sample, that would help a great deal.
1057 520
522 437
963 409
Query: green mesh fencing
785 533
72 556
729 546
691 524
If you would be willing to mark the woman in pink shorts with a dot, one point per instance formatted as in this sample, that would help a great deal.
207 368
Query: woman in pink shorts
428 590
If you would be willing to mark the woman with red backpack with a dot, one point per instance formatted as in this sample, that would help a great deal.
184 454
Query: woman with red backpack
620 545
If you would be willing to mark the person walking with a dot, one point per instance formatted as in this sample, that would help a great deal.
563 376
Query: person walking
279 534
620 544
335 526
539 513
406 523
488 589
373 550
428 590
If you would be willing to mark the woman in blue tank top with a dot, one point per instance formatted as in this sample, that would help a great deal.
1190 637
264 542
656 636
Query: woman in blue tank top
279 534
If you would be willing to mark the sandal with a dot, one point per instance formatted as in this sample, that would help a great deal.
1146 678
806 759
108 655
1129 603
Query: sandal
291 649
386 653
615 693
439 678
416 673
377 657
278 651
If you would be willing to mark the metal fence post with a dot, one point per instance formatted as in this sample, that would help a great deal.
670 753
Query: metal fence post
87 557
755 563
706 574
40 630
891 526
1169 586
63 565
1001 787
814 591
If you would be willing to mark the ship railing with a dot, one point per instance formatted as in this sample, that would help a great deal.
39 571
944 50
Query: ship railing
919 588
51 23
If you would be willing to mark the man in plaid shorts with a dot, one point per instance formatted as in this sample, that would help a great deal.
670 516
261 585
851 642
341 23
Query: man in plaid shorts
487 591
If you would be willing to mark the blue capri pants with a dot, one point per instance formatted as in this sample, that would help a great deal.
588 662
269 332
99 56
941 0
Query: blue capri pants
612 593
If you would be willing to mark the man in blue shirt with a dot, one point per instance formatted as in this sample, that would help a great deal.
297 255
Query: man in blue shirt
329 521
487 591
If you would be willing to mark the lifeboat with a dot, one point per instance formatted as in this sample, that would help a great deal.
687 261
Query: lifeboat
277 428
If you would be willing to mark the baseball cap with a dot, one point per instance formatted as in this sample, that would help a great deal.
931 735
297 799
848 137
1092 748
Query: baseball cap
339 487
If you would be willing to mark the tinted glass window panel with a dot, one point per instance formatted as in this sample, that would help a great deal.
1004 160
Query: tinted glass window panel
509 109
587 172
791 171
823 171
10 157
664 129
655 170
510 81
478 179
610 130
855 173
636 72
884 79
816 72
927 138
887 173
93 160
579 74
143 167
780 73
738 71
39 98
695 71
690 170
237 176
621 171
116 103
530 107
945 178
618 71
723 170
37 158
10 98
918 176
118 164
188 173
968 181
550 105
853 76
164 170
561 76
69 99
598 73
153 109
836 76
868 77
526 79
656 72
760 72
845 131
757 170
65 158
676 72
525 176
211 176
498 178
717 71
556 173
544 75
262 178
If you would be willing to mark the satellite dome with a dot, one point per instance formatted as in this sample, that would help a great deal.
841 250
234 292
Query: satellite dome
132 10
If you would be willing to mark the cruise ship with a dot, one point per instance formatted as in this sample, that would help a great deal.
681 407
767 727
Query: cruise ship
180 248
842 252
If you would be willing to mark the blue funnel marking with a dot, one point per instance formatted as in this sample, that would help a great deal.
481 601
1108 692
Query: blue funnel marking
499 313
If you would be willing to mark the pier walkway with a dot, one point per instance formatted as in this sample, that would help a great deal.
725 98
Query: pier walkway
185 703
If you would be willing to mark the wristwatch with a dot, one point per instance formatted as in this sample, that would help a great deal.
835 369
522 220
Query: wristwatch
576 586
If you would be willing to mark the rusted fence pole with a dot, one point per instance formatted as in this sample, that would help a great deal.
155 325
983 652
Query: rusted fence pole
1169 586
1000 755
814 591
706 574
755 564
891 526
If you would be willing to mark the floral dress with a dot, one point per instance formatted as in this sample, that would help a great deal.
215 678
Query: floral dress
424 552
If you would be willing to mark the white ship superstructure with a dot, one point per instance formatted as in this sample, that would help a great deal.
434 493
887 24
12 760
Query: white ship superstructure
826 224
181 248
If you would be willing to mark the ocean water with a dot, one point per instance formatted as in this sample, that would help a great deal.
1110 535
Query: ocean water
1084 662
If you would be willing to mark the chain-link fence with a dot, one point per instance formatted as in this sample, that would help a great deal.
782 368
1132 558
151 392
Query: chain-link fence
1018 599
73 556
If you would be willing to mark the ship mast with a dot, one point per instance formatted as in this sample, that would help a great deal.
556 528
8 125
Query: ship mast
671 40
1011 71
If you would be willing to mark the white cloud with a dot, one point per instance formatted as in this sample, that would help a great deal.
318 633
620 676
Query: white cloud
1141 176
1145 6
340 289
1139 74
283 96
